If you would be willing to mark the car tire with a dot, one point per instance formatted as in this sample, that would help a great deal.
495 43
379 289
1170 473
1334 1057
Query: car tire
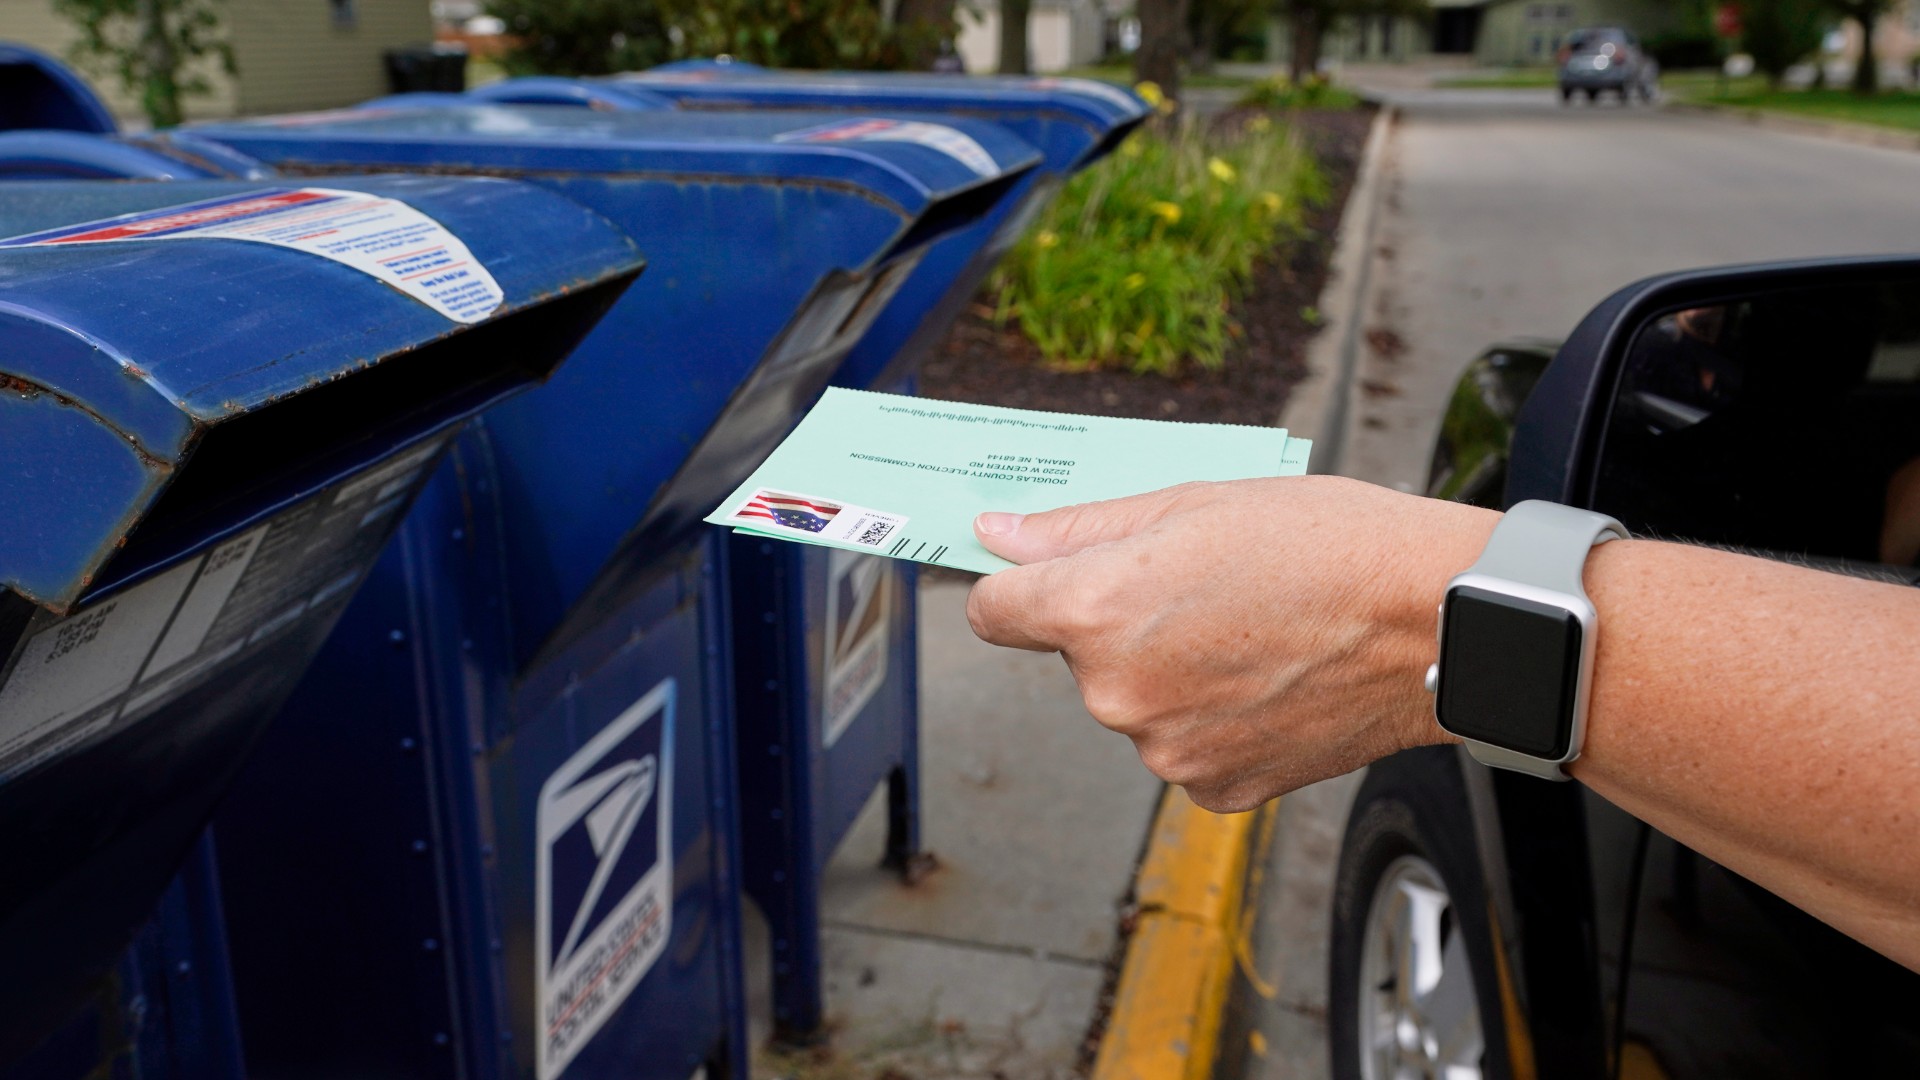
1410 903
1566 95
1593 94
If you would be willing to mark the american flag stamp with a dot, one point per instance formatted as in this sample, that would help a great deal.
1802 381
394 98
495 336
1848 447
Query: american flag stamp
774 511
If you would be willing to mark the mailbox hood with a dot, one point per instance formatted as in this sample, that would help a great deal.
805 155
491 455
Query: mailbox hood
1102 113
159 384
912 166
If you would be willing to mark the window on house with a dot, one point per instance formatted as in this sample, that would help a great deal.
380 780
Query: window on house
344 15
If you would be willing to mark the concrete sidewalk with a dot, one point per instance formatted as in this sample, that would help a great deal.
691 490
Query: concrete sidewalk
993 966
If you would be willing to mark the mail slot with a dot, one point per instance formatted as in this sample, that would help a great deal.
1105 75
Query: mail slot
542 680
217 401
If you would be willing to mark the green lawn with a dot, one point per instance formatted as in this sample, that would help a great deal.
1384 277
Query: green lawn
1499 78
1890 108
1123 76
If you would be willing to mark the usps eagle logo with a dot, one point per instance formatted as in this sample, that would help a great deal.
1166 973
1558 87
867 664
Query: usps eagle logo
789 511
604 901
859 608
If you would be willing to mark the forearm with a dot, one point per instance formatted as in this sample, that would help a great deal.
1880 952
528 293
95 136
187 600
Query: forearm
1763 714
1760 713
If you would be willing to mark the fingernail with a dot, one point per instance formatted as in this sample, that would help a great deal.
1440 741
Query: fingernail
998 524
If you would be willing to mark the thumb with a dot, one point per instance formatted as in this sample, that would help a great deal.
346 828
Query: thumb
1050 534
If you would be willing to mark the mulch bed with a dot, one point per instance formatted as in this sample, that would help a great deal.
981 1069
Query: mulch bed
997 366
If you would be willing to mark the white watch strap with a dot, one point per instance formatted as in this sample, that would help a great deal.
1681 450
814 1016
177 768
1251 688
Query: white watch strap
1545 545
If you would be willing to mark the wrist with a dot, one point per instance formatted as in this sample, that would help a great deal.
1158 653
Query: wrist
1442 541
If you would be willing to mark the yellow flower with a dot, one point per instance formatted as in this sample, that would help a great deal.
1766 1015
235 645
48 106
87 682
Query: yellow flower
1271 201
1221 171
1046 238
1260 125
1165 211
1150 93
1130 148
1134 282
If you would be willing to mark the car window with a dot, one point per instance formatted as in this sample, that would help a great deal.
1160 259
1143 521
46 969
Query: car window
1791 426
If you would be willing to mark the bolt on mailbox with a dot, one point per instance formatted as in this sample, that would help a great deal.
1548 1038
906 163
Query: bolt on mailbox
542 684
217 401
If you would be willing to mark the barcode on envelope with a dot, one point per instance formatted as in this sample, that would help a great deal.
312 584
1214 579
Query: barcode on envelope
875 533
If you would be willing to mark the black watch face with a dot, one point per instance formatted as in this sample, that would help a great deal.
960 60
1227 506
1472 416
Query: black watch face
1508 671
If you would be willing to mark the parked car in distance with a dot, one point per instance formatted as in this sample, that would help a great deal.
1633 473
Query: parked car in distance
1606 58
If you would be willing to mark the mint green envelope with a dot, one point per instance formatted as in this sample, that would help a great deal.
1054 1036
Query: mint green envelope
905 476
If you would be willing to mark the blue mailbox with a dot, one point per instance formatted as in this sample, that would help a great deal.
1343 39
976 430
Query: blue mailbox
68 155
826 652
217 400
542 689
836 632
1073 122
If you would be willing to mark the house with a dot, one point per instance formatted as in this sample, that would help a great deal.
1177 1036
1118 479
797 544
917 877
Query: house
1514 33
1060 34
1496 33
290 55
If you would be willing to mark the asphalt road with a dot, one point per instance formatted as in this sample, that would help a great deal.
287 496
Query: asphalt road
1504 214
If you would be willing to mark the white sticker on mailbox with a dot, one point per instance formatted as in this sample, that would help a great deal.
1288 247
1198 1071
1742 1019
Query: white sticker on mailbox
603 893
381 237
859 603
957 145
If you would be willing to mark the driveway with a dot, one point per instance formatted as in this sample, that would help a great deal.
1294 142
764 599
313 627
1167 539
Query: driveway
1505 214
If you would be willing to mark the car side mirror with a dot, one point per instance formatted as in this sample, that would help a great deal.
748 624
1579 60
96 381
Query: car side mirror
1773 408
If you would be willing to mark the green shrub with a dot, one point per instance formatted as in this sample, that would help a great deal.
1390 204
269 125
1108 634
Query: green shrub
1137 262
1280 92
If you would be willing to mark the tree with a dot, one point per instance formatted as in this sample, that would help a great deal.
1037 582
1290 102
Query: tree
1013 36
1780 33
1309 21
1212 24
1866 73
924 26
583 37
1163 32
154 48
597 37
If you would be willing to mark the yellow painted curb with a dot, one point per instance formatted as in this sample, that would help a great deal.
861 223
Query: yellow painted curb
1167 1010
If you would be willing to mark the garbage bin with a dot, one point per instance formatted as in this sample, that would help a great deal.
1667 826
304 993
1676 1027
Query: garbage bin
435 67
39 92
215 404
543 688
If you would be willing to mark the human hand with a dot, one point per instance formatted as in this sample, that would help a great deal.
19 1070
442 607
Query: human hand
1250 637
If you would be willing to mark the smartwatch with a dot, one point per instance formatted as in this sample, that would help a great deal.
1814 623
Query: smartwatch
1516 641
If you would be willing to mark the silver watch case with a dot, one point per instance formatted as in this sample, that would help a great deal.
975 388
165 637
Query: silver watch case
1583 610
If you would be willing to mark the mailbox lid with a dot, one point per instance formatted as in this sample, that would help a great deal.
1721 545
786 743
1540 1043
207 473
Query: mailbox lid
1072 120
129 361
911 167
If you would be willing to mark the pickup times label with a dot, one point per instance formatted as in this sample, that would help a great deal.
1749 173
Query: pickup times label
79 679
603 894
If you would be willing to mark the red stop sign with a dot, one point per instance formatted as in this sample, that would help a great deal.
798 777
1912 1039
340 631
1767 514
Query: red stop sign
1726 20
